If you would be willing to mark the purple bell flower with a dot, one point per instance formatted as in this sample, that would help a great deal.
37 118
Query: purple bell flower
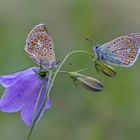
21 93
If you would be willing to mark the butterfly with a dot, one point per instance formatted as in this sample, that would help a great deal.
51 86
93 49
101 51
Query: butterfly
122 51
39 46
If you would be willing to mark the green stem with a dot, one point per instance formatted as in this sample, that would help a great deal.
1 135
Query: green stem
52 82
68 72
56 72
61 64
77 51
40 92
36 117
33 124
63 71
38 99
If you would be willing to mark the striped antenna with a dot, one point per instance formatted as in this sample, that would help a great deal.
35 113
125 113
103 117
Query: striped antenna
93 41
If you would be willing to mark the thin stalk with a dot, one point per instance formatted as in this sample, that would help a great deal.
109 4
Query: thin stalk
38 98
52 82
61 64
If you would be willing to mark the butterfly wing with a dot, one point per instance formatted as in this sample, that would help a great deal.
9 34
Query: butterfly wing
124 49
39 46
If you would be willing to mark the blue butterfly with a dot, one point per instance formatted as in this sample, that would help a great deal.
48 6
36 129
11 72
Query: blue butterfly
122 51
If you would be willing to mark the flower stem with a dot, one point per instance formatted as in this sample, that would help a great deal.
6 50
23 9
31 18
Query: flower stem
35 117
57 71
61 64
52 82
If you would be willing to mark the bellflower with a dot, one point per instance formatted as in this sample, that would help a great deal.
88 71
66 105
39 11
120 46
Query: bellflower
21 93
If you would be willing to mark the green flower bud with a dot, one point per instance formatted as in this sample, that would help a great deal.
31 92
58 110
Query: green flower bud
87 82
106 69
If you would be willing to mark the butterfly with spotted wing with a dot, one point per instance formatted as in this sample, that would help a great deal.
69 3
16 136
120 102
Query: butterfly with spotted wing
39 46
122 51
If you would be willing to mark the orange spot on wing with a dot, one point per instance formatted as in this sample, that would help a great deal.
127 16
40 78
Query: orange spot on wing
126 61
132 50
131 55
30 50
33 43
39 37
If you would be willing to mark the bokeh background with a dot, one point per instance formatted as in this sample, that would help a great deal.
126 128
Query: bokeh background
114 113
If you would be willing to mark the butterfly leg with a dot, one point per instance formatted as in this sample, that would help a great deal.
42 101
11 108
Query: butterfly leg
41 65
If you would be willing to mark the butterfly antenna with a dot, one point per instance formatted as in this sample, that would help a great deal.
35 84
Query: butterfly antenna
93 41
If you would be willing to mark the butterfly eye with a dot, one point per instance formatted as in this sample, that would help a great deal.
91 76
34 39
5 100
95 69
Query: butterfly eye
96 47
102 57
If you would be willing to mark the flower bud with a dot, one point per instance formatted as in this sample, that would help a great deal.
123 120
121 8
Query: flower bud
87 82
106 69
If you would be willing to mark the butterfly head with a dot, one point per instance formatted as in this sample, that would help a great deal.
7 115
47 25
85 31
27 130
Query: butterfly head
98 52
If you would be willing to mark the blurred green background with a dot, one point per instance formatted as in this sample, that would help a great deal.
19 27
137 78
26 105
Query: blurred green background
114 113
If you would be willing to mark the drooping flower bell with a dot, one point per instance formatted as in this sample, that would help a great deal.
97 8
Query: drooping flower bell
21 93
